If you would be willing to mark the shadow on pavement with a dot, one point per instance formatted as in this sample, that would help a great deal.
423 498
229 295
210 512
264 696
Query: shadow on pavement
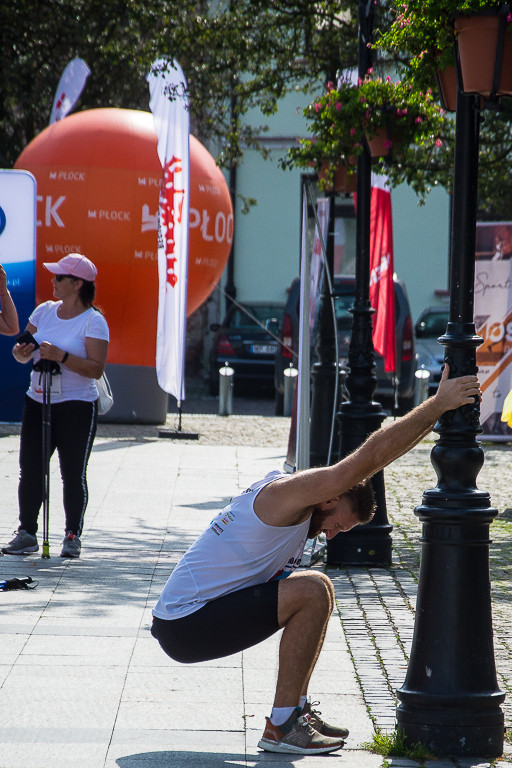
173 759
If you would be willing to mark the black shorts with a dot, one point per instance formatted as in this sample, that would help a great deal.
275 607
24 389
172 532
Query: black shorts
221 627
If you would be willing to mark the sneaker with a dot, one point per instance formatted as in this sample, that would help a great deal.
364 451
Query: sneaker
22 544
71 546
297 736
319 725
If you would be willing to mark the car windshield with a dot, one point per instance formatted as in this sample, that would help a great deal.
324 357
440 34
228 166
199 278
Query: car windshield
344 318
432 325
268 317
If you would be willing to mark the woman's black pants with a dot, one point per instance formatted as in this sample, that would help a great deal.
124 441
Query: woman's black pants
73 428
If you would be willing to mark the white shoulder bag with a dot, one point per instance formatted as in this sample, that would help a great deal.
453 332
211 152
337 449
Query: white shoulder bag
105 396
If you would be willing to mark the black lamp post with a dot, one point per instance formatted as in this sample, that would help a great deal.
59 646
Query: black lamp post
361 415
450 699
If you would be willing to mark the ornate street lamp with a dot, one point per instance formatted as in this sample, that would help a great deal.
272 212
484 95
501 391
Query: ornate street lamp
450 699
361 415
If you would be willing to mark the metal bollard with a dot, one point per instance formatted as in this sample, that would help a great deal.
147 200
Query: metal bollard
290 377
226 390
421 382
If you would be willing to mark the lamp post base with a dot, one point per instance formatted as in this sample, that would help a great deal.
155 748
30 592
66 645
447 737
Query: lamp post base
451 732
373 550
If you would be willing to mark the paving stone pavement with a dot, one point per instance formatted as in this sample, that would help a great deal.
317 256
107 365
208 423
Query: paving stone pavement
83 683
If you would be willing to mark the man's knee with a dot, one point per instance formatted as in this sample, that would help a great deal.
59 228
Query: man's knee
321 584
311 589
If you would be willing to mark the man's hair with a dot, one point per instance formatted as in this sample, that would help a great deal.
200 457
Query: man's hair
362 498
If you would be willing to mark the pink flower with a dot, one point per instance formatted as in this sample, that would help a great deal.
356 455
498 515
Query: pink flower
352 131
338 106
418 120
439 143
318 107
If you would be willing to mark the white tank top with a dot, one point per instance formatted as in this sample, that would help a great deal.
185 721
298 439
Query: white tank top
237 550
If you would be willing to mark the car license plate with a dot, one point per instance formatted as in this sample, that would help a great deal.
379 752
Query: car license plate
263 349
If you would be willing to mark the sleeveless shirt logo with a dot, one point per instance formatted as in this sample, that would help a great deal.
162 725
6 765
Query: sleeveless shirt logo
227 517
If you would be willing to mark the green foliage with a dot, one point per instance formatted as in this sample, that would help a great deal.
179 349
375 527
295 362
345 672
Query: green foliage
394 745
236 56
418 36
37 40
240 58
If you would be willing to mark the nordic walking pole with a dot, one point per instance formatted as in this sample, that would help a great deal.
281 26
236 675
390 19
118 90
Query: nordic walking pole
47 367
46 432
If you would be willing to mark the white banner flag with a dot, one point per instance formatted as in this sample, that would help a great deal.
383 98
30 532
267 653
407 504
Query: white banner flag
71 85
169 105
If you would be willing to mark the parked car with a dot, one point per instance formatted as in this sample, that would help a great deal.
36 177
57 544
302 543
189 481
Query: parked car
429 353
247 340
344 290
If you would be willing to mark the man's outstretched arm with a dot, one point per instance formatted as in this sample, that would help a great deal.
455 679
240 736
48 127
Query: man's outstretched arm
293 494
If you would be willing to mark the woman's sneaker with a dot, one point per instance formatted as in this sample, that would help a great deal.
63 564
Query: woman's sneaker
296 736
334 731
71 546
22 544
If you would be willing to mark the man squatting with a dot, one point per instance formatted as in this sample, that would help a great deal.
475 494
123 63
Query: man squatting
229 590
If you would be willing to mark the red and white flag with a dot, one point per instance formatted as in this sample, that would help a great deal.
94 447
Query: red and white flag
71 85
382 289
169 105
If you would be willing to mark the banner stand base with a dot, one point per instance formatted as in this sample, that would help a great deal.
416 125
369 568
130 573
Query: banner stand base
178 434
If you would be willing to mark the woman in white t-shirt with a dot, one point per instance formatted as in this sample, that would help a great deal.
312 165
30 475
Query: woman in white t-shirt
72 333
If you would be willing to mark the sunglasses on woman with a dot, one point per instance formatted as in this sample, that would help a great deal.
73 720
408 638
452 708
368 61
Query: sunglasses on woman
61 277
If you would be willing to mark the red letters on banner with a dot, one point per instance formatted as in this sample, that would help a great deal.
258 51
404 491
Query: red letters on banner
171 206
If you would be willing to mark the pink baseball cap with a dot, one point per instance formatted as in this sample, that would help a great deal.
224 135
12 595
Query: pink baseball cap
73 264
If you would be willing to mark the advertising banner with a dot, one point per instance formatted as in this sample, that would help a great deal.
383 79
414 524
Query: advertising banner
171 120
17 255
71 85
493 322
382 288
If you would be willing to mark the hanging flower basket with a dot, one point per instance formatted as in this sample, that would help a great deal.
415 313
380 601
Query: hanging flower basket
384 142
479 39
345 116
341 178
447 84
396 117
336 135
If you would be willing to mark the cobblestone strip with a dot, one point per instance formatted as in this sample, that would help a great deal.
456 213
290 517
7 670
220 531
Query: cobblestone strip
375 610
